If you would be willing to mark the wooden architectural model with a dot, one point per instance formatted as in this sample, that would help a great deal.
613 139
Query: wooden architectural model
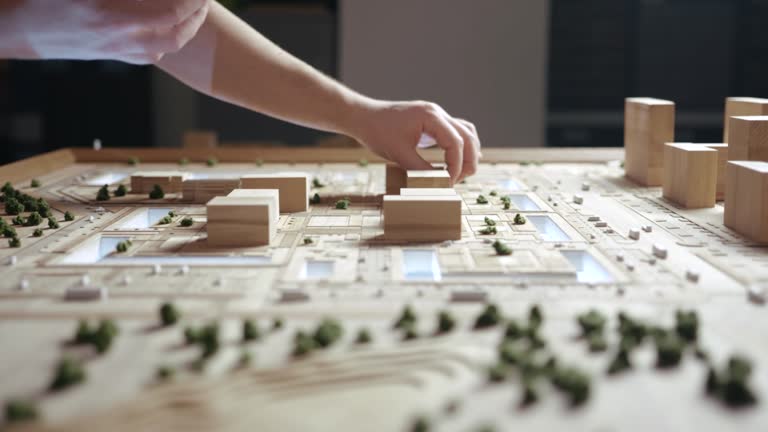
722 160
746 199
690 175
293 187
748 138
648 124
546 292
428 179
243 218
143 182
742 106
200 139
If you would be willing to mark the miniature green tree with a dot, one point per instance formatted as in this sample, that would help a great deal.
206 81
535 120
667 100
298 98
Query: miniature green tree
259 162
183 161
574 383
327 332
501 248
308 240
620 362
43 208
13 206
211 162
446 322
507 201
8 189
535 317
53 223
407 317
34 219
68 216
489 222
363 336
363 162
14 242
121 191
343 204
421 424
156 192
687 325
669 350
38 232
493 193
18 220
122 247
68 373
519 219
530 395
9 231
410 333
209 340
499 372
591 322
489 317
191 335
169 314
251 331
303 344
18 411
103 194
277 323
481 199
315 199
165 220
133 160
316 183
165 373
35 183
187 222
489 230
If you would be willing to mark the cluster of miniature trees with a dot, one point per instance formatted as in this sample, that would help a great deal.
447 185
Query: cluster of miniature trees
16 203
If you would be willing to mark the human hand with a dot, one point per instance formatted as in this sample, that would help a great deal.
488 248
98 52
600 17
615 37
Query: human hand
393 131
134 31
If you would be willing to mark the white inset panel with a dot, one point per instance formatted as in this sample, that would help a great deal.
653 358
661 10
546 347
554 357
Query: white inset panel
106 178
315 270
421 265
588 269
524 203
548 228
142 219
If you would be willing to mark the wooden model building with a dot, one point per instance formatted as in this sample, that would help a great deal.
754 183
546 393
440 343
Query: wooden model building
299 289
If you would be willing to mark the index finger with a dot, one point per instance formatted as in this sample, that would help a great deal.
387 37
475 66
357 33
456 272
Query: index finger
449 140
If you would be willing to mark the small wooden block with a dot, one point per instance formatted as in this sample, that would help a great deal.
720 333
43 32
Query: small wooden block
748 138
427 179
722 160
648 124
200 139
746 199
269 195
171 181
241 221
742 106
690 175
397 178
203 190
293 187
428 192
422 218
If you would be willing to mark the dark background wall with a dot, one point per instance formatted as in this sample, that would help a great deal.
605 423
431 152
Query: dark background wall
695 52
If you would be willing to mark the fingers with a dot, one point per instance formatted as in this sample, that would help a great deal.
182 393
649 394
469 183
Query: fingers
449 139
471 147
411 160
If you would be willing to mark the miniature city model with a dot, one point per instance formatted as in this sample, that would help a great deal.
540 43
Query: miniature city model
229 288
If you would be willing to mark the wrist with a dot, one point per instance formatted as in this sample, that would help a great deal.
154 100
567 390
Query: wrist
358 117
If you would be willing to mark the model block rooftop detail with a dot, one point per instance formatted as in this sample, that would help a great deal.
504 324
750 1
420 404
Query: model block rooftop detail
243 218
293 187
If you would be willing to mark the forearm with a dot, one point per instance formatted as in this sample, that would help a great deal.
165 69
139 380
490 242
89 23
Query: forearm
231 61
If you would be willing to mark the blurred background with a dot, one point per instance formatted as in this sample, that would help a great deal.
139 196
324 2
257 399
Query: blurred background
527 72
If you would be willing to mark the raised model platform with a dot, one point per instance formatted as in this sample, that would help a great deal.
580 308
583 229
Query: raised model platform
312 332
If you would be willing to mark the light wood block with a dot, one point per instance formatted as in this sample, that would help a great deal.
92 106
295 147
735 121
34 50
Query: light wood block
746 199
171 181
428 192
269 195
722 160
200 139
742 106
293 187
422 218
748 138
201 191
690 175
396 179
427 179
242 221
648 124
